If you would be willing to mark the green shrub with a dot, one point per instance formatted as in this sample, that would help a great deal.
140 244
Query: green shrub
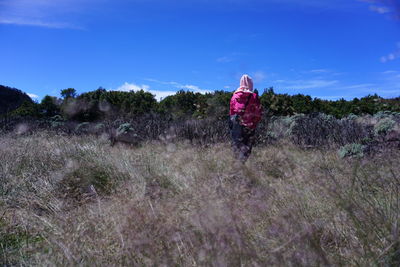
352 116
384 126
382 114
351 150
56 121
292 122
125 128
326 118
366 140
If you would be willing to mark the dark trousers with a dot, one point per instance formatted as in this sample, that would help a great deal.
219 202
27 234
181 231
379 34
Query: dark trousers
242 140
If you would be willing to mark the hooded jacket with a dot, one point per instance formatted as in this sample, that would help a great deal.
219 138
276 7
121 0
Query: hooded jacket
250 115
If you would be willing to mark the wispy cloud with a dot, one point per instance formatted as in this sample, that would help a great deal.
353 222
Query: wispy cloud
39 23
390 72
177 85
391 8
126 87
379 9
306 84
392 56
320 71
359 86
41 13
159 94
385 84
224 59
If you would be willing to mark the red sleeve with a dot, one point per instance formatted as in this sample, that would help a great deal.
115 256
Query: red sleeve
237 104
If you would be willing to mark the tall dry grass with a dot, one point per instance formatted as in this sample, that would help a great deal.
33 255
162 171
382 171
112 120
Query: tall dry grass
78 201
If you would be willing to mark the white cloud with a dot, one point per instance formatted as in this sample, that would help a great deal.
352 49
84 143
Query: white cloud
191 87
33 96
161 94
126 87
177 85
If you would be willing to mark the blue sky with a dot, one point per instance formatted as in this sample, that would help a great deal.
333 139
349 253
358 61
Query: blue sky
325 48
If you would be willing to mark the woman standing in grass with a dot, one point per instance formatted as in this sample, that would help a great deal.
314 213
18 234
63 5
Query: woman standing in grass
245 114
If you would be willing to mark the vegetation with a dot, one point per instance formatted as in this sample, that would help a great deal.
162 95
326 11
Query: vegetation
320 189
105 105
352 150
77 201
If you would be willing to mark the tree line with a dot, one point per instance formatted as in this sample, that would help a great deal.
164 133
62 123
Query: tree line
102 104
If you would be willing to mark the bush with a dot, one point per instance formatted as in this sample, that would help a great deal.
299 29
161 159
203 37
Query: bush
351 150
56 121
292 122
125 128
352 116
384 126
382 114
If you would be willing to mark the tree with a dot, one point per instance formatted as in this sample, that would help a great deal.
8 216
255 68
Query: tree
68 93
277 104
182 104
302 103
49 106
218 104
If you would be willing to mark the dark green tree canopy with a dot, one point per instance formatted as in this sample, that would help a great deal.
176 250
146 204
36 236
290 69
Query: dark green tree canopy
68 93
49 106
102 104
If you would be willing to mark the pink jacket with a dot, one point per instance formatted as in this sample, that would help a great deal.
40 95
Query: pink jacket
252 115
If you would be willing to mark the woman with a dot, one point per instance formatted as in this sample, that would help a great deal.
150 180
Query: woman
245 114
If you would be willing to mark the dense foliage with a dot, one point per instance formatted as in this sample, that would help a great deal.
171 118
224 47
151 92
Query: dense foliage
101 104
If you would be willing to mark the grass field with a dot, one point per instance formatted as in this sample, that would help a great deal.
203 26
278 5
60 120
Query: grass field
78 201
